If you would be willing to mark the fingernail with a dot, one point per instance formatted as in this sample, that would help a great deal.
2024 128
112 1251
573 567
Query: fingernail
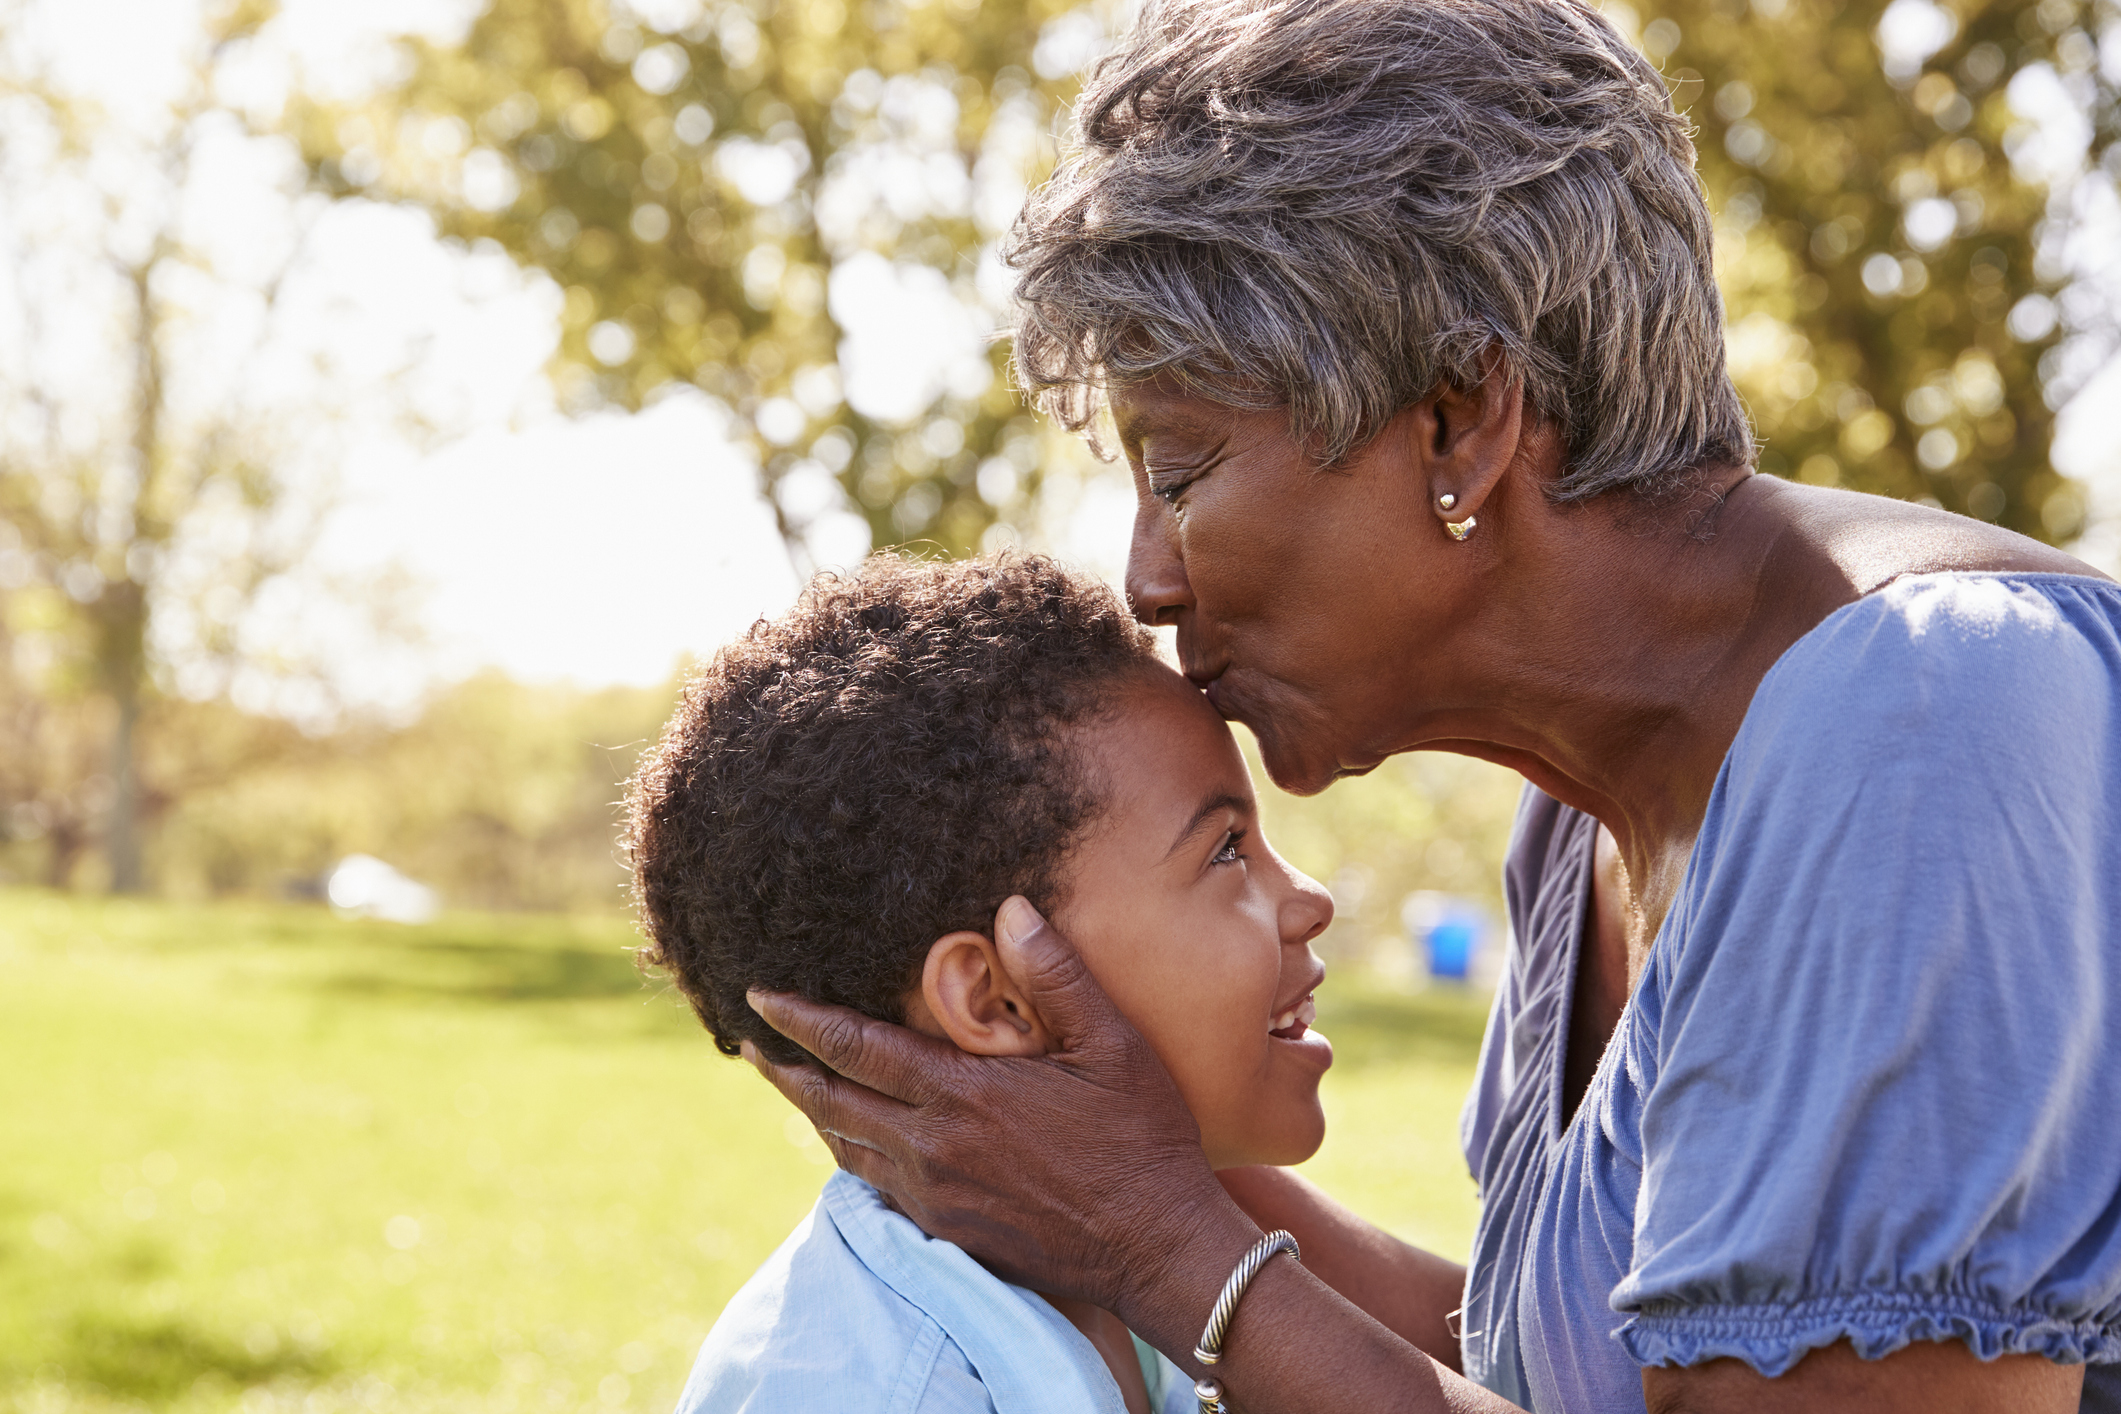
749 1052
1019 919
752 997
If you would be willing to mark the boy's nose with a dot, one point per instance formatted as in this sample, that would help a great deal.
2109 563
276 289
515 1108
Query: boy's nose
1306 912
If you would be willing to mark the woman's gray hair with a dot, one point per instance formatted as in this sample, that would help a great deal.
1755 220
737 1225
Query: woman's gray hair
1339 205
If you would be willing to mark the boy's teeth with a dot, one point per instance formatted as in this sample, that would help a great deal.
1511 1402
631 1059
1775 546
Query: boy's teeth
1305 1011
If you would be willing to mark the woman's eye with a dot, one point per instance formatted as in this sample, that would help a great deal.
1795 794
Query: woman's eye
1168 490
1228 854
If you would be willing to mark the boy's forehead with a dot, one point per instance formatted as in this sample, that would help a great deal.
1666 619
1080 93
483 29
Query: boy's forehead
1166 748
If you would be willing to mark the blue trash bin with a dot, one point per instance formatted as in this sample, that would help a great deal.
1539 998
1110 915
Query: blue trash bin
1451 944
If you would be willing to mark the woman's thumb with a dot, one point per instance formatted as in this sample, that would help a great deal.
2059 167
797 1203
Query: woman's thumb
1051 972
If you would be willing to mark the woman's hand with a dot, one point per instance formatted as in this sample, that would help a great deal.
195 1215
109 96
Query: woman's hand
1078 1173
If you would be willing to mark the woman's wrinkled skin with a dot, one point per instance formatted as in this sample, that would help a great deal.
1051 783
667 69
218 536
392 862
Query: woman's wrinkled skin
1607 650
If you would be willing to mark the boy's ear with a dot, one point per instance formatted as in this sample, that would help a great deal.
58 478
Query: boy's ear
967 997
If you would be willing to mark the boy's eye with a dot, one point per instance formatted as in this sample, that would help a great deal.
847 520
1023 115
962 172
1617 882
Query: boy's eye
1228 854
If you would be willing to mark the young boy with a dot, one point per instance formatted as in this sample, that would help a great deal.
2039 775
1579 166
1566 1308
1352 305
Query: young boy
843 802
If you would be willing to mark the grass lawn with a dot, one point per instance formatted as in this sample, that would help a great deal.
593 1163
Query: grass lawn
259 1158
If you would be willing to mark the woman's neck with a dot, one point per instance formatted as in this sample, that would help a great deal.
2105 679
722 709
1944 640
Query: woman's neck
1685 608
1618 647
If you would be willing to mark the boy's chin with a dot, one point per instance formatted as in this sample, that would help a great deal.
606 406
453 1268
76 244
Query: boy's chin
1283 1146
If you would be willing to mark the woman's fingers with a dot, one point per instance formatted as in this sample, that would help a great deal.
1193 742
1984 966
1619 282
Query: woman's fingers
876 1055
1061 988
835 1107
873 1166
1058 1171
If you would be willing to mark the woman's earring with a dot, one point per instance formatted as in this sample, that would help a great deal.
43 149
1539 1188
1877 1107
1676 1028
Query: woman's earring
1461 529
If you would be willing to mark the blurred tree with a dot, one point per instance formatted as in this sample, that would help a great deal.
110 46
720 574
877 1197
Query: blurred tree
53 751
1891 289
709 183
1420 821
505 795
716 186
499 794
148 447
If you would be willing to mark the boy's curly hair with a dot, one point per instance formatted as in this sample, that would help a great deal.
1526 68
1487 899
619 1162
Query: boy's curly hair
880 766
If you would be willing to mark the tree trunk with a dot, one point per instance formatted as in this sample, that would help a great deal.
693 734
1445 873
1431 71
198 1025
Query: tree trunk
65 841
121 841
123 609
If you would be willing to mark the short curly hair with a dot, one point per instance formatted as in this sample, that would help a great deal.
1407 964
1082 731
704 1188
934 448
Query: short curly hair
884 764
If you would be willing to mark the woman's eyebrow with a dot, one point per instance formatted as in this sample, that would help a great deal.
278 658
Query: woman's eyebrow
1157 419
1217 802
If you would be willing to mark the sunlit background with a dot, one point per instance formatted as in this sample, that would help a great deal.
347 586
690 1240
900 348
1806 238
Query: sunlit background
395 397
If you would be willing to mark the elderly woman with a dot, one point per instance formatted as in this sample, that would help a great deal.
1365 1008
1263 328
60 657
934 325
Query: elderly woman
1802 1088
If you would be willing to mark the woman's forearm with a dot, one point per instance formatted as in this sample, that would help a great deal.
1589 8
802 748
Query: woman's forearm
1297 1346
1406 1290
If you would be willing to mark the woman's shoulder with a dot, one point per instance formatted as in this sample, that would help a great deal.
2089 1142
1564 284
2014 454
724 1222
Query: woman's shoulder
2004 661
1869 1058
1942 752
1961 621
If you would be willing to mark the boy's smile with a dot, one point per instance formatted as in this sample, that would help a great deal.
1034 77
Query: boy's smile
1195 928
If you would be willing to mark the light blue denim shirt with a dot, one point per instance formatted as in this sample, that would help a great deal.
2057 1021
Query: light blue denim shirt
859 1309
1869 1085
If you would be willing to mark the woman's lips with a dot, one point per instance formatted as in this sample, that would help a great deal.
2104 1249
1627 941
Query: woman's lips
1214 692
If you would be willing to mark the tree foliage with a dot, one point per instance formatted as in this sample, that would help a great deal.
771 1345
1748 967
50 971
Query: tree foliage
105 478
695 177
1883 261
163 414
701 182
499 795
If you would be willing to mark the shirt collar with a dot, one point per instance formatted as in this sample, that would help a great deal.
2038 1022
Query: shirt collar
1029 1357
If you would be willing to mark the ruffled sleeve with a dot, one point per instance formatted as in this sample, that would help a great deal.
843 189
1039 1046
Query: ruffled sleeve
1884 1064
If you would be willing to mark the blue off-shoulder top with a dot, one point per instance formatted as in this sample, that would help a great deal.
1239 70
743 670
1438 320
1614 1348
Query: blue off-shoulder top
1868 1087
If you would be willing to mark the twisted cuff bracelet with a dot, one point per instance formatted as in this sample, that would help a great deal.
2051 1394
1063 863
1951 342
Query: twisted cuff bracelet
1210 1349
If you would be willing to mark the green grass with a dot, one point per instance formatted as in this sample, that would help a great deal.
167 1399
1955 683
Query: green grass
260 1158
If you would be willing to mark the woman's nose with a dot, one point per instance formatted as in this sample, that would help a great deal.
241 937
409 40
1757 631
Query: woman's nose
1156 576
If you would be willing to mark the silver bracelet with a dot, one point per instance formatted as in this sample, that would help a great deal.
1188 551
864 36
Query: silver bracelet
1207 1389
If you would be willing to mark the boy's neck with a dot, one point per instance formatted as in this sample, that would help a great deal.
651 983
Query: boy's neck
1114 1342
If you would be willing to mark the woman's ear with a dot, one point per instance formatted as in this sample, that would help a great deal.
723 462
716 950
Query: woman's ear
966 996
1468 438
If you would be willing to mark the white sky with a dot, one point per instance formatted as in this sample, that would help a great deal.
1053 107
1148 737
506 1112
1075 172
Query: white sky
600 550
596 550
